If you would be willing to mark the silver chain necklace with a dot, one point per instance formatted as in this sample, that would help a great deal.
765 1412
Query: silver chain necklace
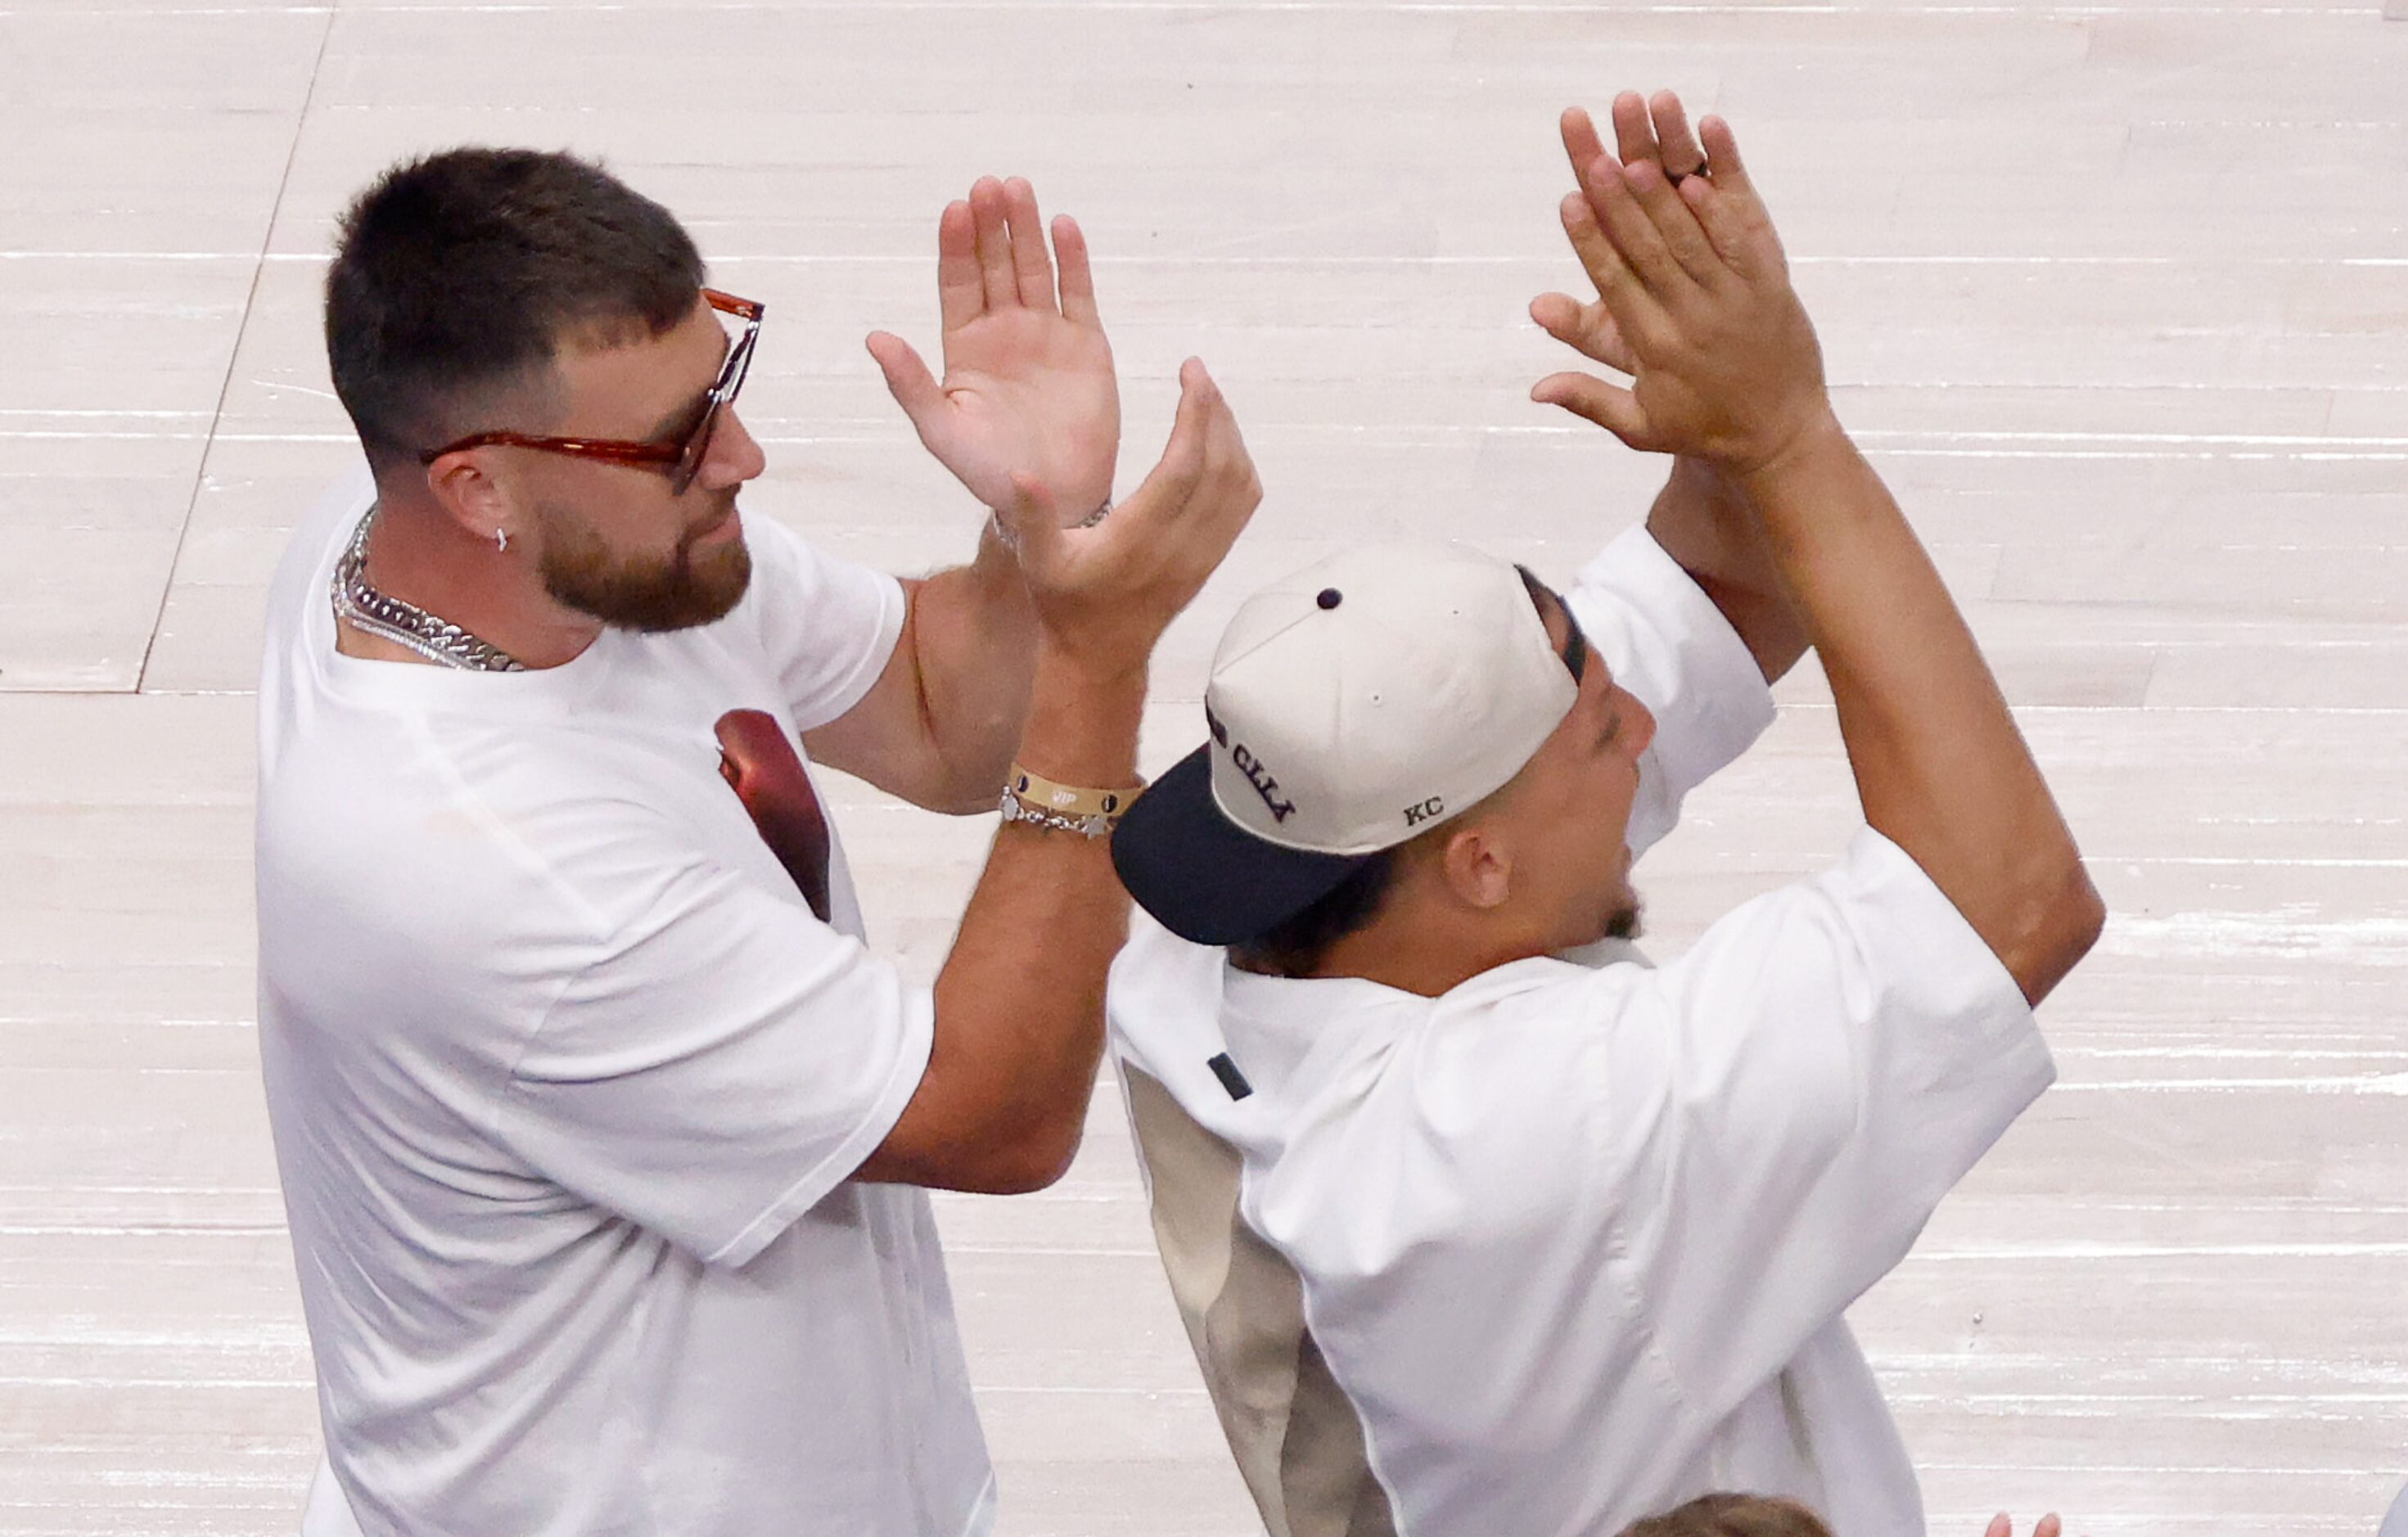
406 624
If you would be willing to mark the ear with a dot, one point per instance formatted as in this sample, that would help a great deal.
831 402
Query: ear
1477 866
470 496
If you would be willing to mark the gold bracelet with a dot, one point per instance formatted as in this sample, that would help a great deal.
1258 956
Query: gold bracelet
1041 794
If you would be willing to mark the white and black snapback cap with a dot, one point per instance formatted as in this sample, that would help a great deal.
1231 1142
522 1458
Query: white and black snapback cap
1352 706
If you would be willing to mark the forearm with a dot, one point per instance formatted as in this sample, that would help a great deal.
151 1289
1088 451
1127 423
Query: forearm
1020 1000
1940 765
1704 523
974 635
1019 1005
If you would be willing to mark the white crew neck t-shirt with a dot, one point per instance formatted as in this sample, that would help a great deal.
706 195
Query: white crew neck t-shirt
1572 1244
568 1081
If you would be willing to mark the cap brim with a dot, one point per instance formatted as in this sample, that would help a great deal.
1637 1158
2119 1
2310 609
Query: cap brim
1202 876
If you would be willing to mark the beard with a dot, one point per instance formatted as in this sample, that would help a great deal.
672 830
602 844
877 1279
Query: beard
1626 922
650 593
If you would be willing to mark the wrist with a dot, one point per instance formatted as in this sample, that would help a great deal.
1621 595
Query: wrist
1069 669
1817 441
1083 722
1702 482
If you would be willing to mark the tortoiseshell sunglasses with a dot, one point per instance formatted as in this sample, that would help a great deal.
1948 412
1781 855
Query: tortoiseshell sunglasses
682 458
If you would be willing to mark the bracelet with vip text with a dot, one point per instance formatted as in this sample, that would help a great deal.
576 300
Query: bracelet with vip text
1043 802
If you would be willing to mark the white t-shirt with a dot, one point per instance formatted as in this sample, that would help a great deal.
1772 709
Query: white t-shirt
1574 1240
567 1083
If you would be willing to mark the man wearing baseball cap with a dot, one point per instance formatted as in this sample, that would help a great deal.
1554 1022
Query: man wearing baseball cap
1478 1222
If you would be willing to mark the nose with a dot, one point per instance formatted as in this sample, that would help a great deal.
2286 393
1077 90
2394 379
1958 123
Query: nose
734 455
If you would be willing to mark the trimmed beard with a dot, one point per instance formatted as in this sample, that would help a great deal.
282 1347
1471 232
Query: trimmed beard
1627 923
648 594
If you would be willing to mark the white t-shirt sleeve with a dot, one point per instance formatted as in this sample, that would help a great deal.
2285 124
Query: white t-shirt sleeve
1663 640
1790 1101
828 625
726 1064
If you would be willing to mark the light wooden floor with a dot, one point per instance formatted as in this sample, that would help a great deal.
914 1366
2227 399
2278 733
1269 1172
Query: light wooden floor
2117 292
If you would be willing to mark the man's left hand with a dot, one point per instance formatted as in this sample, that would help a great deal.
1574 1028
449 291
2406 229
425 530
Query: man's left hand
1028 387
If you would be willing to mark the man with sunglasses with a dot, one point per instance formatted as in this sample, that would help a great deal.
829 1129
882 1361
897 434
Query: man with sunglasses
599 1127
1479 1224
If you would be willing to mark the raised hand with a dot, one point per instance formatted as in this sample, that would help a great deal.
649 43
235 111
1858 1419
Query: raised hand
1644 128
1104 594
1724 362
1028 387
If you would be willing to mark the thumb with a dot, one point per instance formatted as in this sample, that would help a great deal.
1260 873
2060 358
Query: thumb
1611 407
907 379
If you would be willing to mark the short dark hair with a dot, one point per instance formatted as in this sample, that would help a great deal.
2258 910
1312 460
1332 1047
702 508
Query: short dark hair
457 275
1732 1516
1296 946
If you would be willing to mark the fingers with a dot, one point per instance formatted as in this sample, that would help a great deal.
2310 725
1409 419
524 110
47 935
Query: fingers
1617 284
1726 229
1610 405
1653 128
1634 133
907 379
1586 329
1631 230
1032 266
997 275
1727 205
2000 1526
1205 489
1580 143
961 293
1677 149
1721 153
1676 223
1231 484
1646 133
1174 478
1225 493
1078 277
1558 315
2049 1526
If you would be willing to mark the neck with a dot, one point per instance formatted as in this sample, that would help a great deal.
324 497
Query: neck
1421 955
420 554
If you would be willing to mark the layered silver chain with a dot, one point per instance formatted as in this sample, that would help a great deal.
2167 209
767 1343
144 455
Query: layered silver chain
406 624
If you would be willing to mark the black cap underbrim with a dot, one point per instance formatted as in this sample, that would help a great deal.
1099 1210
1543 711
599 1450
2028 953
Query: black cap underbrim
1202 876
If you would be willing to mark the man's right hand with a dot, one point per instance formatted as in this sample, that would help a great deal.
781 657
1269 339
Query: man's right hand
1697 307
1105 594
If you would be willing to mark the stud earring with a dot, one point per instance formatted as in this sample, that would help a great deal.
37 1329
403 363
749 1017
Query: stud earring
502 541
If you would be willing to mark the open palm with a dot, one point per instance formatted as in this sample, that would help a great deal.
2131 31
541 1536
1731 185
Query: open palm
1028 387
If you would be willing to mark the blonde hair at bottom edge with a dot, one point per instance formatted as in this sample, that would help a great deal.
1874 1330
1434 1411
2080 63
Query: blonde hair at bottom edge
1732 1516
